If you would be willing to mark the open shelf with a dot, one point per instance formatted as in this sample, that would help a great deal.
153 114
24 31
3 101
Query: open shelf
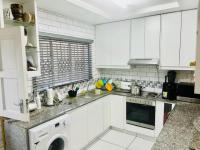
17 23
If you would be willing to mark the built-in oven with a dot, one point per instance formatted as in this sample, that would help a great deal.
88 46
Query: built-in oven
140 112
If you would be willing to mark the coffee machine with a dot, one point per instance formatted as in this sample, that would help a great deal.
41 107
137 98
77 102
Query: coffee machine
169 90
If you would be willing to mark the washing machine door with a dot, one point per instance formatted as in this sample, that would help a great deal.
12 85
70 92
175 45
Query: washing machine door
58 142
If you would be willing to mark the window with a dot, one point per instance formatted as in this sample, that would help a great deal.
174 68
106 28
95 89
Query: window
63 62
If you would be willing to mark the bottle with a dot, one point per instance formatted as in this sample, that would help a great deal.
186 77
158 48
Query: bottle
38 101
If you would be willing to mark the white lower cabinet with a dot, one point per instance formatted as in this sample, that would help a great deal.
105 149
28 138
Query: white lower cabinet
118 115
95 119
78 128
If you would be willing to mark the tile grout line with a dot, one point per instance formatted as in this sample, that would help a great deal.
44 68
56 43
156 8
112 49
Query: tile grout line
112 143
131 142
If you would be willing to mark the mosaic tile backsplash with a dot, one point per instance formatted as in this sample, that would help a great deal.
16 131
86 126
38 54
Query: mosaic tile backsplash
147 76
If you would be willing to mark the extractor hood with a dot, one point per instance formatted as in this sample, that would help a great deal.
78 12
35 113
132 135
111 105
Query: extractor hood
143 62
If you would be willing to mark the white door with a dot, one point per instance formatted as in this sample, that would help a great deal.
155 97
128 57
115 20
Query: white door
78 128
170 39
152 37
120 39
95 119
13 74
138 38
118 111
188 38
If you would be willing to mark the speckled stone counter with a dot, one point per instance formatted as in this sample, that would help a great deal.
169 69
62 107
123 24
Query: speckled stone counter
179 132
48 113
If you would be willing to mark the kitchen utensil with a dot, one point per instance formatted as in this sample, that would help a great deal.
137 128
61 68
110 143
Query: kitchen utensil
32 106
136 90
72 93
17 12
50 97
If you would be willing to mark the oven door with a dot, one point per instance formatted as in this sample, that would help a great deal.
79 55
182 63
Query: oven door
140 115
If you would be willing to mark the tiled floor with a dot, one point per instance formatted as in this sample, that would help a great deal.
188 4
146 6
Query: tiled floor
116 140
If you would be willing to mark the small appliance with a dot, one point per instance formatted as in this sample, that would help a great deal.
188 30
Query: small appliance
169 90
185 89
136 90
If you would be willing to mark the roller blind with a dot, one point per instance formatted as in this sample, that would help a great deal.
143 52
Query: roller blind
63 62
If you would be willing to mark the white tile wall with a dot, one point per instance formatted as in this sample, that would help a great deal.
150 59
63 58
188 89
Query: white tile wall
51 22
147 73
58 24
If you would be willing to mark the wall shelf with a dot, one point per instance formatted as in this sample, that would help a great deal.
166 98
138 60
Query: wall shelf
17 23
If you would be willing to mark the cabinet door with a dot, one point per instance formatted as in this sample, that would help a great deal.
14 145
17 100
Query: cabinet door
152 37
118 111
103 46
78 128
107 107
95 119
170 39
138 38
13 83
112 44
188 37
120 39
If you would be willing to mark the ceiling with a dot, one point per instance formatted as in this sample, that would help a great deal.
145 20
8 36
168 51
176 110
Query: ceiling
102 11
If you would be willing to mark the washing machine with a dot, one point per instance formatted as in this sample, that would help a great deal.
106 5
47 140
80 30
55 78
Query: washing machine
52 135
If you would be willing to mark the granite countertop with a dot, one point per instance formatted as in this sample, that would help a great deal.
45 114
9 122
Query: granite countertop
179 133
38 117
47 113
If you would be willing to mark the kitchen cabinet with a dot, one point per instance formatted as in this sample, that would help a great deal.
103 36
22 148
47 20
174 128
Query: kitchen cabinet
197 71
13 83
118 114
138 38
95 119
112 45
178 40
145 38
78 128
170 39
14 55
107 109
152 37
188 38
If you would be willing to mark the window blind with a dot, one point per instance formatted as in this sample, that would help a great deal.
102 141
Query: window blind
63 62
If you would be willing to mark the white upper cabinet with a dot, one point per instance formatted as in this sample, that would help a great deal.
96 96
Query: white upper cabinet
112 45
178 40
188 38
145 38
13 86
152 37
170 39
138 38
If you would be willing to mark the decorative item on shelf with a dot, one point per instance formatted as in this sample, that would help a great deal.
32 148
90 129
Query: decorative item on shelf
25 36
17 12
193 64
7 14
29 18
30 64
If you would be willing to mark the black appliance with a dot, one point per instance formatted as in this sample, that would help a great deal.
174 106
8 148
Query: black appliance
140 112
169 90
186 90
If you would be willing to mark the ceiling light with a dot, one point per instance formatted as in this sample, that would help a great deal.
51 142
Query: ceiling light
159 7
89 7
